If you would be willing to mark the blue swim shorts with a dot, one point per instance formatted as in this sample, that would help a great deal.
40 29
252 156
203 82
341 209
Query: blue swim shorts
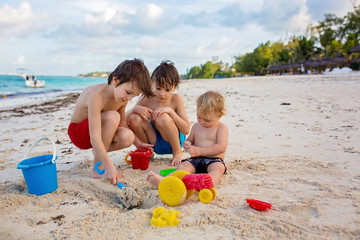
201 164
162 146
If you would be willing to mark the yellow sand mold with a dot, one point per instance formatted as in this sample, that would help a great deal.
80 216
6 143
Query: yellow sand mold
162 217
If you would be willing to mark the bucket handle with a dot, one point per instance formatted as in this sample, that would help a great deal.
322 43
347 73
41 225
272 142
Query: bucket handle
39 140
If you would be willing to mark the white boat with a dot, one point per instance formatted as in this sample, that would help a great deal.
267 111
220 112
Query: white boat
35 84
23 72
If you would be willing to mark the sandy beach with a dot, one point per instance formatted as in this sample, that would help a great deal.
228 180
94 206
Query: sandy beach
294 142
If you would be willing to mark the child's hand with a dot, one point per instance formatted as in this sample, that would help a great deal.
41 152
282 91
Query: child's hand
175 162
112 175
160 111
194 151
144 145
143 112
187 145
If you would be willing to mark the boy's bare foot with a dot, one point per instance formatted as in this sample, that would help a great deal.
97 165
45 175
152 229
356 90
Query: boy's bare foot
177 159
154 179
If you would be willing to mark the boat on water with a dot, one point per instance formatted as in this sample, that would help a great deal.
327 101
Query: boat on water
24 73
35 84
31 81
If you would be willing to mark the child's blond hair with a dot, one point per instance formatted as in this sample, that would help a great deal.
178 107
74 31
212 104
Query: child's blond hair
211 102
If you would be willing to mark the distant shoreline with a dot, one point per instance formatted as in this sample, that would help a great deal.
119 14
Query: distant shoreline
95 74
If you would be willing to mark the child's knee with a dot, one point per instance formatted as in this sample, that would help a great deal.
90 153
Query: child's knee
164 120
216 167
111 117
125 136
187 166
134 121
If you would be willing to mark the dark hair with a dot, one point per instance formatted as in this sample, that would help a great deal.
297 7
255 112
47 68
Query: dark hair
166 75
133 71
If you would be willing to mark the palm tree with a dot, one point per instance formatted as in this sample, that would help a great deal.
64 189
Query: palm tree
304 48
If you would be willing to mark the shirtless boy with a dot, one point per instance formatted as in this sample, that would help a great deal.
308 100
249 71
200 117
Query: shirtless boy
98 121
161 120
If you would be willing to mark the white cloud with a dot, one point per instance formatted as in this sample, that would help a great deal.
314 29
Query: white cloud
150 19
20 60
102 17
21 21
91 35
299 21
12 16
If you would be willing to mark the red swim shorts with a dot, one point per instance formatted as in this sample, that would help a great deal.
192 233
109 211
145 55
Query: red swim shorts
79 134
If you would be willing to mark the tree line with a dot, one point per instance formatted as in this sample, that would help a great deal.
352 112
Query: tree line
334 36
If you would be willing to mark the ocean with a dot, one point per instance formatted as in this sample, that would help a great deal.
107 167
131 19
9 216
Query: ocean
14 92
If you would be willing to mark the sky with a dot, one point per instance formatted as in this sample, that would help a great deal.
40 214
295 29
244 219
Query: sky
69 37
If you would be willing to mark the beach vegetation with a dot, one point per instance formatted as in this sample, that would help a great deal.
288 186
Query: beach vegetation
323 46
211 69
95 74
304 47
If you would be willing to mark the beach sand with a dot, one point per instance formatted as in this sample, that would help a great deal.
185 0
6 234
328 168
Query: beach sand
294 142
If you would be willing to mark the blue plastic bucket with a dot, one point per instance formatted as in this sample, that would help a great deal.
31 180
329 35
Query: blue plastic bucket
40 172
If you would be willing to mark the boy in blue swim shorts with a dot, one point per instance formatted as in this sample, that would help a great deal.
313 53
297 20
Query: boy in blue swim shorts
207 141
161 120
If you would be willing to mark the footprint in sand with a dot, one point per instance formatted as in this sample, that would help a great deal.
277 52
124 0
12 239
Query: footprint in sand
304 211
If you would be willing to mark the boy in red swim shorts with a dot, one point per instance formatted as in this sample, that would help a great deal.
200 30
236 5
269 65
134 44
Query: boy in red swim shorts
98 121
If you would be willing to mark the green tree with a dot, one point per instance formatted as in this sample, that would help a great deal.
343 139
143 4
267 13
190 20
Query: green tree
194 72
256 61
208 70
280 53
334 48
351 24
326 36
350 42
304 48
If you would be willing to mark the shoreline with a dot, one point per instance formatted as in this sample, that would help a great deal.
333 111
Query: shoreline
10 102
293 142
27 99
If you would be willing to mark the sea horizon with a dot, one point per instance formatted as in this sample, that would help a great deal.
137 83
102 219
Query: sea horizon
14 92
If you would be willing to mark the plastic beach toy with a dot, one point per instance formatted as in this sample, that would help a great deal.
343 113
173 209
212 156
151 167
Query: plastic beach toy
165 172
173 190
258 205
139 158
96 167
201 183
40 172
162 217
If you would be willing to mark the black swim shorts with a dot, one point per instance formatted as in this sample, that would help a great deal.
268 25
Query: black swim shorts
201 163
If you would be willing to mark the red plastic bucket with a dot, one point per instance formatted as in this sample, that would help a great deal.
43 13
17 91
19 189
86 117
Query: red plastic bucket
139 158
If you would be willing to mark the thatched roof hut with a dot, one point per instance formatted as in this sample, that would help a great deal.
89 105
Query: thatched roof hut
324 63
338 60
271 68
277 67
311 63
355 49
294 65
356 60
